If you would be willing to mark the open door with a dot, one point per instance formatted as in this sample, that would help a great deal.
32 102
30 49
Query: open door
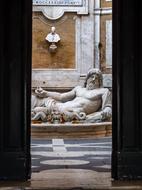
15 85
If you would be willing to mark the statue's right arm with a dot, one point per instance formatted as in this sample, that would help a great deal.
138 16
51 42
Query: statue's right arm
62 97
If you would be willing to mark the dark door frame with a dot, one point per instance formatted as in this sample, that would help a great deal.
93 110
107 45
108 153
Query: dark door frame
15 93
127 90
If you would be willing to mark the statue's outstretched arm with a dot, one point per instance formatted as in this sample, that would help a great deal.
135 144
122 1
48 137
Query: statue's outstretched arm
62 97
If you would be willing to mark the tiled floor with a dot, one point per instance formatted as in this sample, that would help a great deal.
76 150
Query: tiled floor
84 154
71 164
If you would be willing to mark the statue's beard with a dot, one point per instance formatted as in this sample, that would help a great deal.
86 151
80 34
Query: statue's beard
92 86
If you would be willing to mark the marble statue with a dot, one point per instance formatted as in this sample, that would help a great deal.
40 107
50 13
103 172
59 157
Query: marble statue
91 103
53 36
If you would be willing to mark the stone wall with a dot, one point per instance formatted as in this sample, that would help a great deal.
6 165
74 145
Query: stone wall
64 58
103 35
75 53
85 43
106 36
106 3
106 44
103 39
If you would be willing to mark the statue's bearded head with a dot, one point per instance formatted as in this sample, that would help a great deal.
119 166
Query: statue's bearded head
93 79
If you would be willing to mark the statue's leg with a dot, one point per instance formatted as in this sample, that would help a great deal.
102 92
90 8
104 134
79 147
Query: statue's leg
37 102
94 117
41 109
40 116
33 101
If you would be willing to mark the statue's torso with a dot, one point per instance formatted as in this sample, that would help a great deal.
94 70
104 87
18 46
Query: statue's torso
87 101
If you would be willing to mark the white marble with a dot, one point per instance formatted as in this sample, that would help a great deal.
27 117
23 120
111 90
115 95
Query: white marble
35 166
86 46
108 43
98 11
84 57
58 142
107 80
87 54
95 146
65 162
103 11
81 103
41 145
104 166
34 158
70 125
70 154
97 34
58 145
58 2
54 12
98 158
53 78
53 36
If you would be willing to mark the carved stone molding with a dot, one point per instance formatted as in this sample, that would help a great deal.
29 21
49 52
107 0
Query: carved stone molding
56 8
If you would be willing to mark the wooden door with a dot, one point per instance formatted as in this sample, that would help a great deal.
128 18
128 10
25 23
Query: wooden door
127 90
15 89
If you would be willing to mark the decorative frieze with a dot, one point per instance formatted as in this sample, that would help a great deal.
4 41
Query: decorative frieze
58 2
54 9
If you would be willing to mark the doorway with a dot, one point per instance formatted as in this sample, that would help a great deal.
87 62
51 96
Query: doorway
15 77
68 152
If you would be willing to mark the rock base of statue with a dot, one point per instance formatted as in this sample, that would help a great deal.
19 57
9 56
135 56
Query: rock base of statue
70 130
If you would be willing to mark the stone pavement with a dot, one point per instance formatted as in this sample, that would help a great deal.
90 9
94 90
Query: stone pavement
71 154
71 164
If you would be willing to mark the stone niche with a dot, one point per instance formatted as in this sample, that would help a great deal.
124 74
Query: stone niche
64 58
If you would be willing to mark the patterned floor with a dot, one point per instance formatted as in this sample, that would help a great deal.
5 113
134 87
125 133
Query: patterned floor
86 154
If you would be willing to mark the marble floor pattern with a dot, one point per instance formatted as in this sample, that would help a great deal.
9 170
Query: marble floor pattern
78 154
70 164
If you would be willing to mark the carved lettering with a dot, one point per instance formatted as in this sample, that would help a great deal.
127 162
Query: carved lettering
58 2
